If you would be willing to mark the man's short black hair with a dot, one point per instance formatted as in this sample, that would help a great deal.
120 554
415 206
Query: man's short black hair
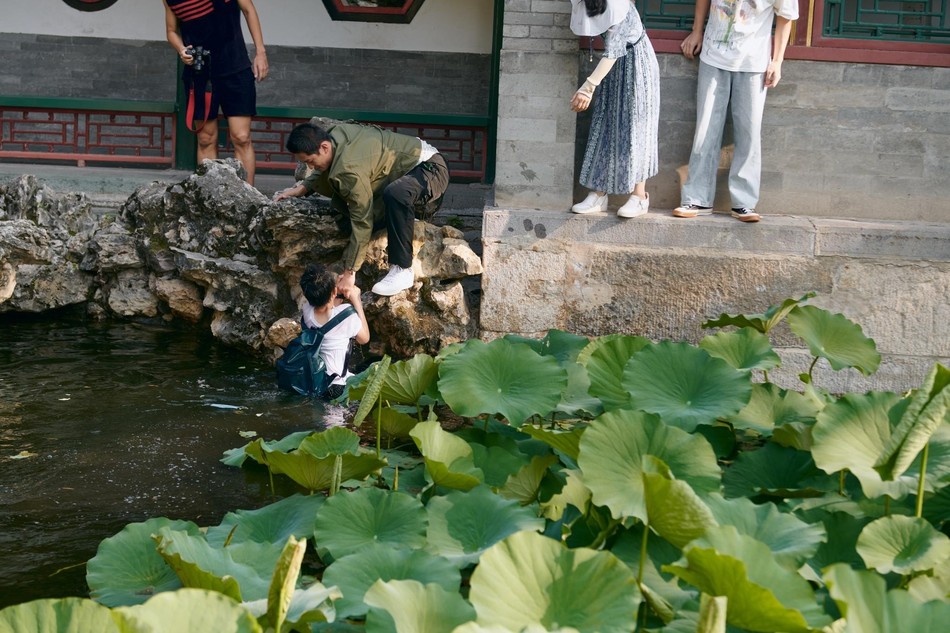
318 284
306 138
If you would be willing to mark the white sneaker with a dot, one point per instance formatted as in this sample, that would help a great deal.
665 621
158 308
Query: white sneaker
396 280
634 206
591 204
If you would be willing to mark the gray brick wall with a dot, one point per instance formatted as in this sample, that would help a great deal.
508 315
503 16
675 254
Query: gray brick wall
84 67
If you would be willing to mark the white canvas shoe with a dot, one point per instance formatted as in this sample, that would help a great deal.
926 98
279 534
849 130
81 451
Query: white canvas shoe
634 206
396 280
591 204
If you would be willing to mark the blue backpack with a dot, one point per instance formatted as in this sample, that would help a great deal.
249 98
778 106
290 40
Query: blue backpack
301 368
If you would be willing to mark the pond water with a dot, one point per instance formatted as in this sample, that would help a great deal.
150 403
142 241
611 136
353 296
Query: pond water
104 424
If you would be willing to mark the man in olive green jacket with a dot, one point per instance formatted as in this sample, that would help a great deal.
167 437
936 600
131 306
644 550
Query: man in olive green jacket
383 177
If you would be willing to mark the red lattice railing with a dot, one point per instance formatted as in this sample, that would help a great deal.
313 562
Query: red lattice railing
82 136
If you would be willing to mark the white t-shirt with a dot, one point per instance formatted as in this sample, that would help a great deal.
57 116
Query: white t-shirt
738 34
336 341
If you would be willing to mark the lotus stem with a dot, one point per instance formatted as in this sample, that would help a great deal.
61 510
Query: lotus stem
396 480
811 368
379 426
337 474
920 483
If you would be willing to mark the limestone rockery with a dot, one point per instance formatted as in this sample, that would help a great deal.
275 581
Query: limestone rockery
213 251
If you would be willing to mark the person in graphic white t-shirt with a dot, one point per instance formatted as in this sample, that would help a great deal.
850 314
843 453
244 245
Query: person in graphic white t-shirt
323 302
739 60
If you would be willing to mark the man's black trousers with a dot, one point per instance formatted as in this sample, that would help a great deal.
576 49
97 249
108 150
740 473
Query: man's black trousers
418 192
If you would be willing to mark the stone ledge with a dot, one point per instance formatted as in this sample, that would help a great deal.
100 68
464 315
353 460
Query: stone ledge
775 234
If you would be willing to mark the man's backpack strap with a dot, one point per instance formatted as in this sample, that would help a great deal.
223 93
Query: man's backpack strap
337 319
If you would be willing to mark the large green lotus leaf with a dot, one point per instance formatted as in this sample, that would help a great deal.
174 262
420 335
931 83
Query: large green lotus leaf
576 399
370 388
528 579
449 459
501 377
790 539
684 385
745 349
188 611
242 571
763 595
355 573
611 457
284 582
255 450
574 493
903 545
835 338
664 591
312 605
771 407
274 523
843 530
407 380
935 586
674 511
776 471
334 441
463 525
868 607
760 322
396 423
408 606
524 486
605 359
498 457
59 615
127 568
929 409
853 432
348 522
564 346
566 442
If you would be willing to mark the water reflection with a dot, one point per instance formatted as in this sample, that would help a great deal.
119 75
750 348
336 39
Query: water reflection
119 423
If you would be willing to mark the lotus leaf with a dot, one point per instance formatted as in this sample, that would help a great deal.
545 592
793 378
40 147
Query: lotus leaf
532 580
58 615
712 614
771 407
407 380
566 442
449 459
395 423
127 568
188 611
745 349
791 540
315 472
564 346
903 545
334 441
497 456
241 571
525 485
501 377
463 525
612 452
776 471
372 387
256 449
674 511
605 358
408 606
574 493
868 607
284 582
932 587
763 595
929 409
684 385
351 521
355 573
835 338
291 516
761 322
308 607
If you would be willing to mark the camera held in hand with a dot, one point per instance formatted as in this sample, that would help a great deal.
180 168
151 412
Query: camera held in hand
200 56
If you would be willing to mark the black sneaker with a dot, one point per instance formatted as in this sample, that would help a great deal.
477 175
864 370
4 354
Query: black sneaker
745 215
691 211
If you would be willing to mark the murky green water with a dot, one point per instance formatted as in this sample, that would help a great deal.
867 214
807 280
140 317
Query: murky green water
121 422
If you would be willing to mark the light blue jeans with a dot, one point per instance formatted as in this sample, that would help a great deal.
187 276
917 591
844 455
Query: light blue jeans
716 89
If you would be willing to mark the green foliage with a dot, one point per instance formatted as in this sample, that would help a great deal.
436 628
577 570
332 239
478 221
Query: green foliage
583 494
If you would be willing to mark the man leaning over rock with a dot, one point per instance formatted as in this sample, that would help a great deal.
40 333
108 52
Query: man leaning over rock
383 177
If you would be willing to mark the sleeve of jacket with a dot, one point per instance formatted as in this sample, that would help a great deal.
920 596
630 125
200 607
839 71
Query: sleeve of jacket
358 194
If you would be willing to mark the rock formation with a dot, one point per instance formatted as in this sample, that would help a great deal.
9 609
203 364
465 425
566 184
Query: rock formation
213 251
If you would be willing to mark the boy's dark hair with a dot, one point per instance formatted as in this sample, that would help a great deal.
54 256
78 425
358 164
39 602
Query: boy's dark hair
306 138
595 7
318 284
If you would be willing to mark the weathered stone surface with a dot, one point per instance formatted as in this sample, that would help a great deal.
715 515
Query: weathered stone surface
112 249
129 295
183 298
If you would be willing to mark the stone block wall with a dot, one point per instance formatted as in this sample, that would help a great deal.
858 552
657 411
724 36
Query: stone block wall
662 277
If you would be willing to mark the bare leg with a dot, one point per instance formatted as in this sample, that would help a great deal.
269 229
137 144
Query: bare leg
239 128
640 189
208 141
